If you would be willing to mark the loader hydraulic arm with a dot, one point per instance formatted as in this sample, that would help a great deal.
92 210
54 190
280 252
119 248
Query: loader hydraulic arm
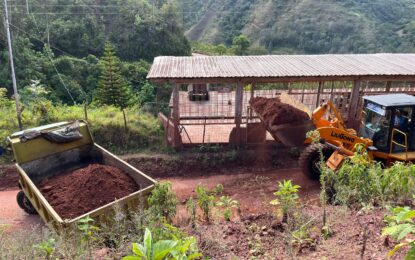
334 118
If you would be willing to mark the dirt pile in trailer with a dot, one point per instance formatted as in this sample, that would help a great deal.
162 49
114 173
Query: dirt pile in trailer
78 192
274 112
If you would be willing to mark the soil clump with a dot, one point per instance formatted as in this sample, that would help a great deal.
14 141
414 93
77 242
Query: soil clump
78 192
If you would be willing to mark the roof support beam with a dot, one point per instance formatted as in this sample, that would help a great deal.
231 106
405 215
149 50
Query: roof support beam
238 112
177 140
283 79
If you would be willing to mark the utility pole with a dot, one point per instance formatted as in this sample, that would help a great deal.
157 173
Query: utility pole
9 41
27 6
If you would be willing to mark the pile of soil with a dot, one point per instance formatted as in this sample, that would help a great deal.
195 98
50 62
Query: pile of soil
78 192
274 112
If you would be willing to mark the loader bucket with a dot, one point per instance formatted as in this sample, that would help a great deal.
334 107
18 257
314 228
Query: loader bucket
292 134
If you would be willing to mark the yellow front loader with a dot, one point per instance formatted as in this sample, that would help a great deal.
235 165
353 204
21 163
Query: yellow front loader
387 132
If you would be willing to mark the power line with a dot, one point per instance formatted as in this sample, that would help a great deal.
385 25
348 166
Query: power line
50 58
36 38
53 64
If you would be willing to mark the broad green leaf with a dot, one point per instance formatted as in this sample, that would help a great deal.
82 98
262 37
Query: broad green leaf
146 251
183 248
398 231
162 248
148 242
407 215
137 250
405 231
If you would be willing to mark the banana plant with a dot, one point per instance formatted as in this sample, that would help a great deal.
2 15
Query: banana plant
163 249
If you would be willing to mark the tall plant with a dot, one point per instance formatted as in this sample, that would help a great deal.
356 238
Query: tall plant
112 87
205 201
163 201
287 196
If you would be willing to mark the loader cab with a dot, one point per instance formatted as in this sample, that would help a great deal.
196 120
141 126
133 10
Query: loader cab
389 120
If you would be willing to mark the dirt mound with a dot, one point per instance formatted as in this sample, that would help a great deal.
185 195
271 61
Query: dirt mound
78 192
274 112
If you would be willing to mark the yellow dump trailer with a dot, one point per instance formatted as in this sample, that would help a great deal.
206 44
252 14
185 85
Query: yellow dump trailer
40 153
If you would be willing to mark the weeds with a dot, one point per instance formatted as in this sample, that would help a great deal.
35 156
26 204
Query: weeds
191 209
47 247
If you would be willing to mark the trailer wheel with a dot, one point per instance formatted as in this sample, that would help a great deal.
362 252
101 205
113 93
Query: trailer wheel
310 158
25 203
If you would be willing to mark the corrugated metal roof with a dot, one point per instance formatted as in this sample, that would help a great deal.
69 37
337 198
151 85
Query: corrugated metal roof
280 66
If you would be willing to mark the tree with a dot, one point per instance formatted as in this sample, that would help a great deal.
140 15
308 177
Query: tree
112 88
241 44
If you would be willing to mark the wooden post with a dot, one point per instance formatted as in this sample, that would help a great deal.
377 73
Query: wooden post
302 95
320 87
388 86
252 96
176 117
204 131
238 111
353 115
331 91
86 110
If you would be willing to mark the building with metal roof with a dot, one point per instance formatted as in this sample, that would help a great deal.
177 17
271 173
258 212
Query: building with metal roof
273 68
232 80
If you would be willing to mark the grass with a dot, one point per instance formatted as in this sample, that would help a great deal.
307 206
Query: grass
144 131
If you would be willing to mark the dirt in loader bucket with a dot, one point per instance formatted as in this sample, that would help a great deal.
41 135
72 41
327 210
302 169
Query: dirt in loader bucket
275 112
78 192
287 123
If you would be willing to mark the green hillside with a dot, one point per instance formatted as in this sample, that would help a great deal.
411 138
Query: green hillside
305 26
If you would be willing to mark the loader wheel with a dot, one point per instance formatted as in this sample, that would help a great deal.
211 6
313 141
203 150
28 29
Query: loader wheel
310 158
25 203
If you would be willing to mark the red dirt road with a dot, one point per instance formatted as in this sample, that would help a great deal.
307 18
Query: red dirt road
11 215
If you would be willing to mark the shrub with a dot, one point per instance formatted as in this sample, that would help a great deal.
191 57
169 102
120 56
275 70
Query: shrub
163 201
401 227
360 181
205 201
286 197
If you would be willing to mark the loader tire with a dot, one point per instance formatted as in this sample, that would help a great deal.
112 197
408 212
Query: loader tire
25 204
310 158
